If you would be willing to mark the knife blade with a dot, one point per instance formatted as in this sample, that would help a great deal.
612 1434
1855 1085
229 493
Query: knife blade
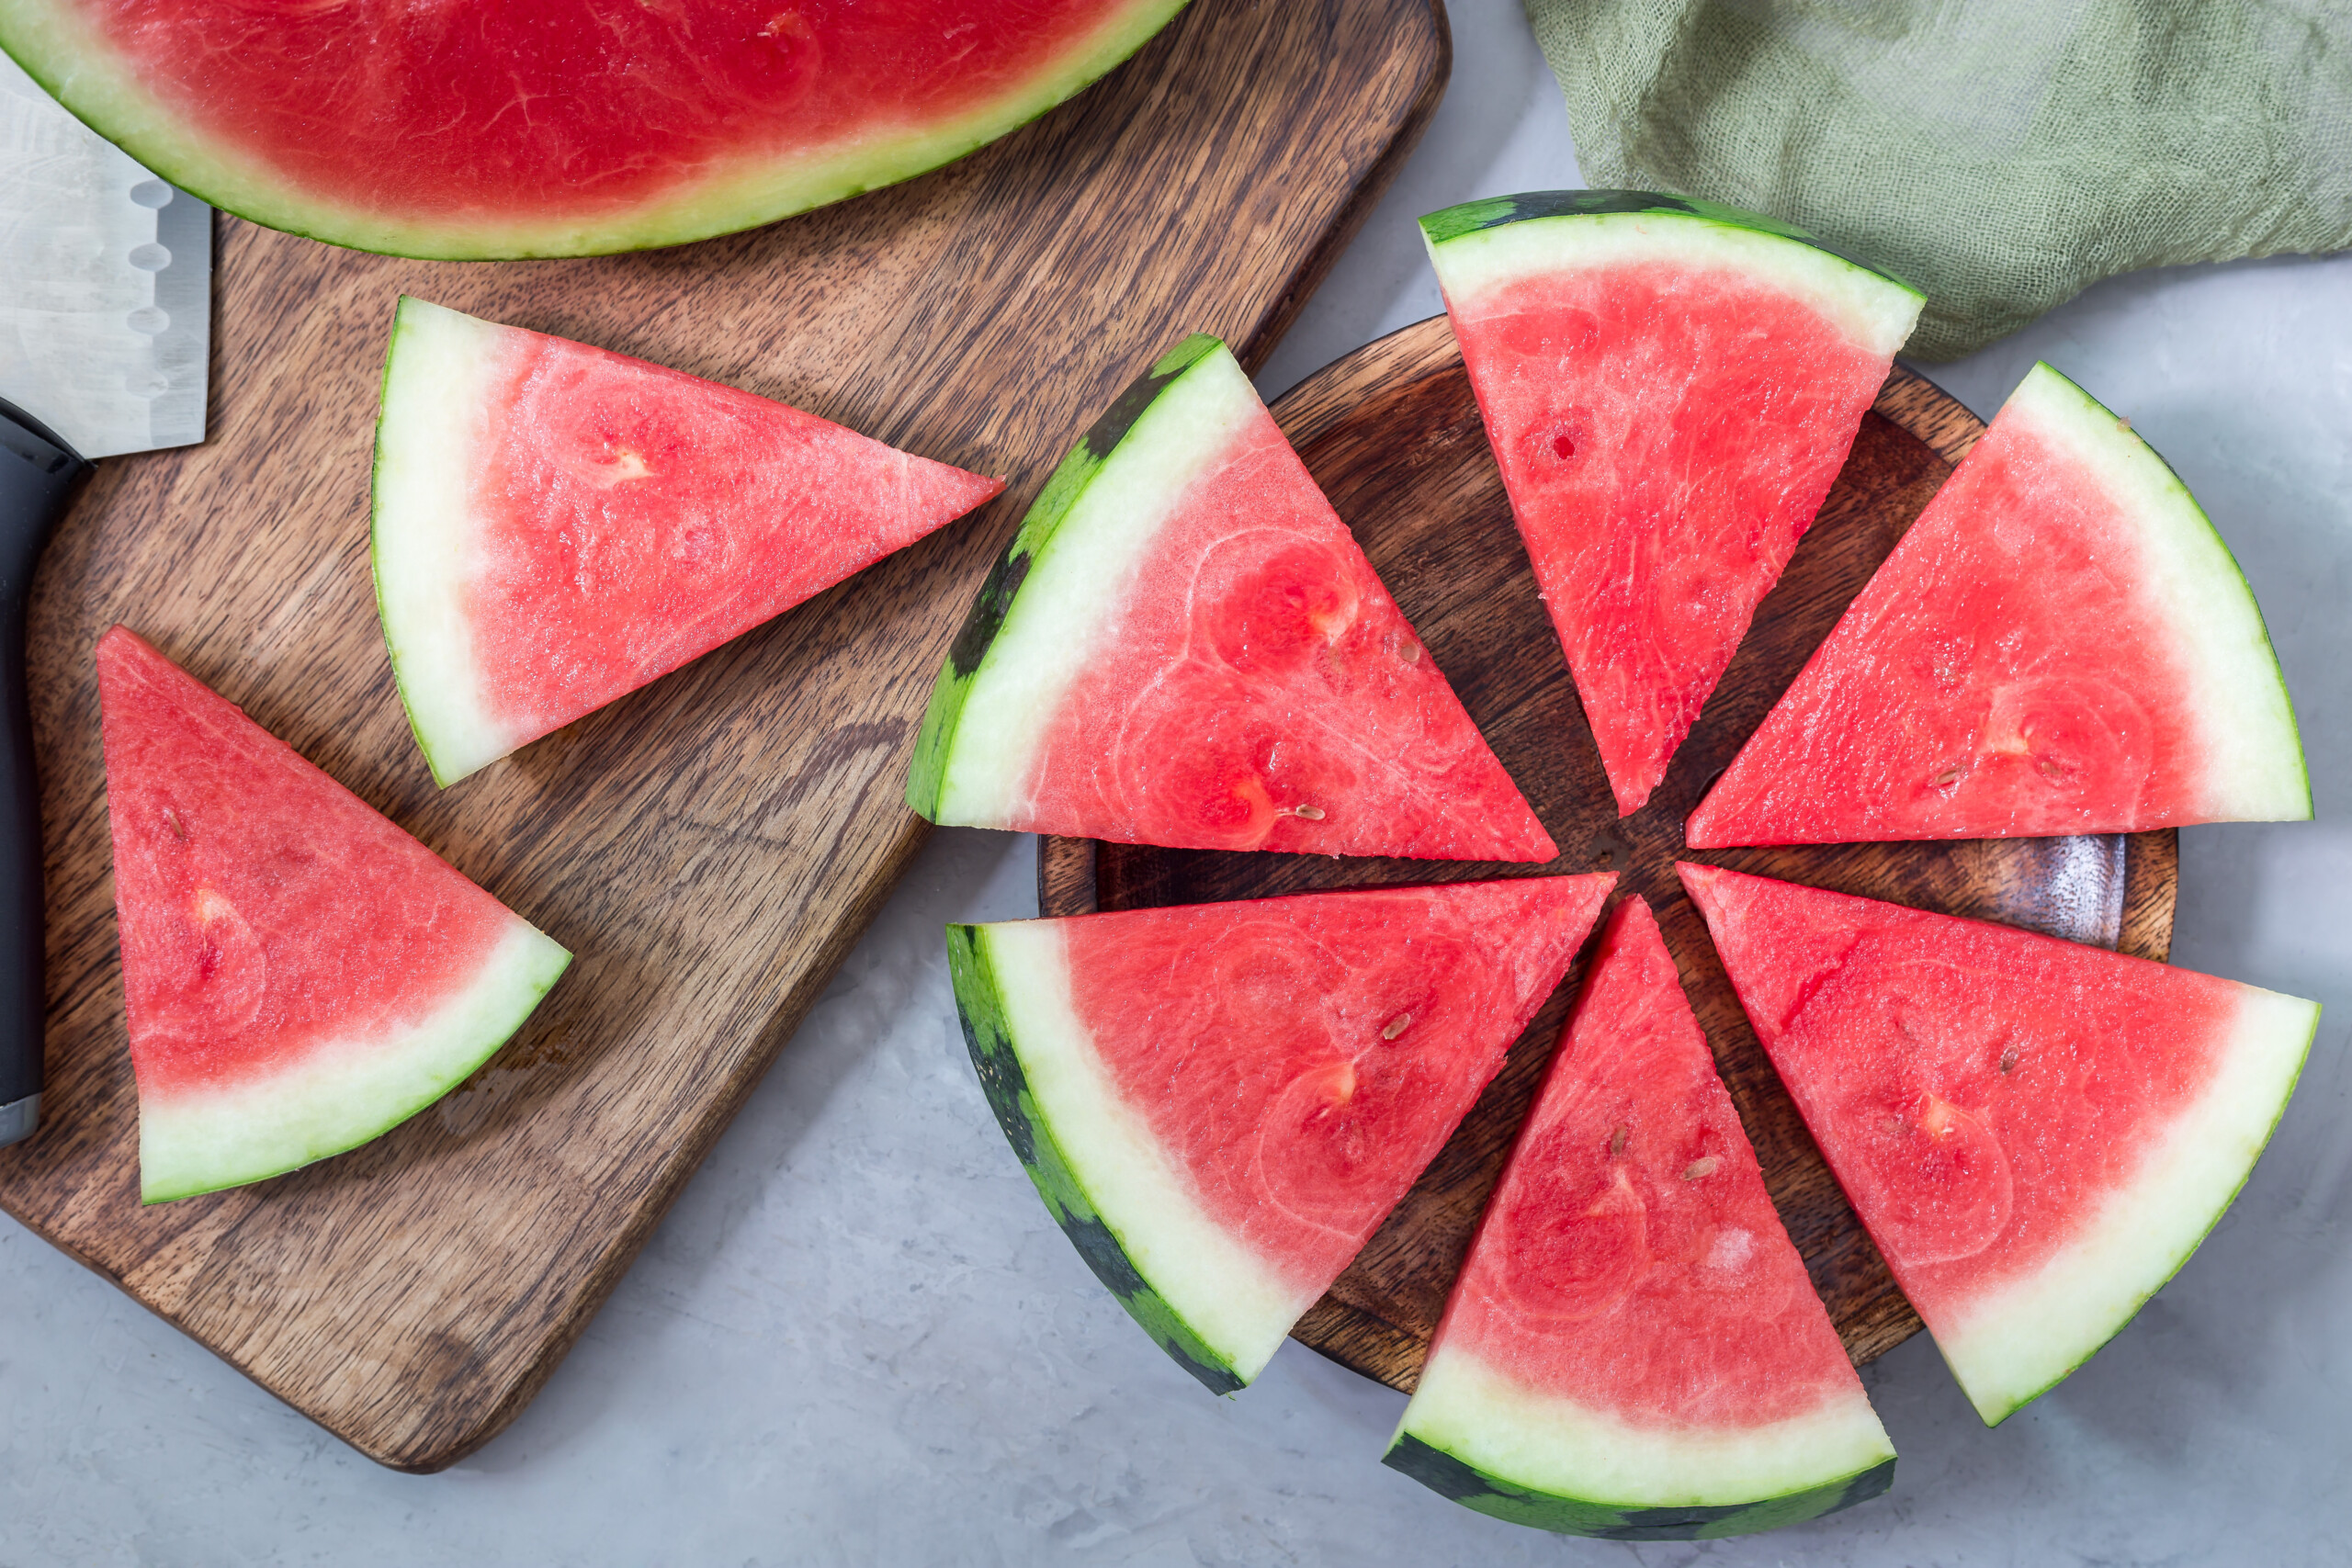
106 292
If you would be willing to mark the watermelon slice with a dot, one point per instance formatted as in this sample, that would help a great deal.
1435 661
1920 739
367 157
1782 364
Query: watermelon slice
2037 1134
1633 1350
1671 387
1220 1102
298 974
2060 643
1186 647
557 525
554 126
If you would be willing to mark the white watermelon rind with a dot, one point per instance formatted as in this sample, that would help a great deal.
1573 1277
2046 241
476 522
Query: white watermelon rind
1055 593
1488 1442
439 371
342 1094
2254 748
85 74
2016 1343
1213 1306
1481 247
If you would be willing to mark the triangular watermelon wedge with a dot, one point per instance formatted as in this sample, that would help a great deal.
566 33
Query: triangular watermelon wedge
298 974
555 526
1186 647
2037 1134
1633 1350
1220 1102
1671 387
2060 643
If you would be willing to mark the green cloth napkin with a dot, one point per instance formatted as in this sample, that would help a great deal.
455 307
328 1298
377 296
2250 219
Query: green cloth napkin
2002 154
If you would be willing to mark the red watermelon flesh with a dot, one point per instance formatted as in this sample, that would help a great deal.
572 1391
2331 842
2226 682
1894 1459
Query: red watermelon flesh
1633 1328
298 974
2036 1133
552 126
1669 397
1223 1101
556 525
1199 655
2060 644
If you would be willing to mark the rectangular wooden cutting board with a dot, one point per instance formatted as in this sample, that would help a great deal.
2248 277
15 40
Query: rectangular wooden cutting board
710 847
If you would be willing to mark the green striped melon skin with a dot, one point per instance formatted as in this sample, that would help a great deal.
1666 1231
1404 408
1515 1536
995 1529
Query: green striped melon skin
1451 1477
980 1006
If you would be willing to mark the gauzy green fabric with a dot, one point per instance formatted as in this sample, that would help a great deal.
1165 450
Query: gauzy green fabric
2001 154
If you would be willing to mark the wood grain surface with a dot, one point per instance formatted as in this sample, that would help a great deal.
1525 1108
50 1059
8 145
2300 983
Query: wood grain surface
709 847
1393 435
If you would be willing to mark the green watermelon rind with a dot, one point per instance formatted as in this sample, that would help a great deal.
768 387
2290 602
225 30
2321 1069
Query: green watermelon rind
1454 1478
989 1037
340 1098
86 75
433 367
930 779
1453 223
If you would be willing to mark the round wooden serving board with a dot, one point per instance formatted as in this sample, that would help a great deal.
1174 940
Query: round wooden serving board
1392 434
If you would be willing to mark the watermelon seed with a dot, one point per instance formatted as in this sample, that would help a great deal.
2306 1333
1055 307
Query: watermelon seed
1312 813
1949 776
1704 1166
1397 1026
1617 1141
2009 1060
173 819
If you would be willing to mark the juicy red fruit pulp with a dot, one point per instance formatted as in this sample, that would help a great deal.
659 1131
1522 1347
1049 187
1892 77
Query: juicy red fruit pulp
518 106
1666 436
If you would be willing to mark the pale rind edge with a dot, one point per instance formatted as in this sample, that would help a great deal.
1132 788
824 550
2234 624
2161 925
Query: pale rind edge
82 71
2253 752
1225 1294
1071 600
1550 1444
1869 310
438 373
342 1094
2012 1344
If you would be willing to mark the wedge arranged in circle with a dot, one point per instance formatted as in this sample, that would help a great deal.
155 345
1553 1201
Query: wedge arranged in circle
1220 1102
2060 643
2037 1134
1671 387
555 526
1633 1349
539 127
1186 647
298 974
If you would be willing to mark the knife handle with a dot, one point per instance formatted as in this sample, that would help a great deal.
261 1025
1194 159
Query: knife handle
38 476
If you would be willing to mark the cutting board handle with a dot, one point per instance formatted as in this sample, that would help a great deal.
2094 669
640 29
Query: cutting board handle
39 473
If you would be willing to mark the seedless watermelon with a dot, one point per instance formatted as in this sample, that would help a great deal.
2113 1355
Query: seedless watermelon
298 974
1633 1348
555 126
1671 387
1185 646
1220 1102
2060 643
555 526
2037 1134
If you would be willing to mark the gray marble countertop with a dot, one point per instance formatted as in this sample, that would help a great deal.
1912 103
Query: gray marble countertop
858 1339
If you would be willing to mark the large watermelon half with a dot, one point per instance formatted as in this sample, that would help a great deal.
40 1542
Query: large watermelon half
298 974
1186 647
2060 643
2035 1134
1671 387
1633 1349
555 526
519 127
1220 1102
